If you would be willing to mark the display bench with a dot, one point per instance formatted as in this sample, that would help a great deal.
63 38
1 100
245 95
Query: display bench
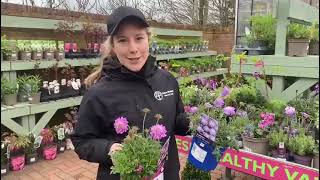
255 164
280 66
27 111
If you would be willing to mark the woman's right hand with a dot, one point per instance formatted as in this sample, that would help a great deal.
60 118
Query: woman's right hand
115 147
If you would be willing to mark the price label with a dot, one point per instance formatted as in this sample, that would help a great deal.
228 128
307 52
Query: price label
61 133
198 153
281 145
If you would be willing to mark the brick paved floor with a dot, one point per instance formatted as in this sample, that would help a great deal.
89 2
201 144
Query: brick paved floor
67 166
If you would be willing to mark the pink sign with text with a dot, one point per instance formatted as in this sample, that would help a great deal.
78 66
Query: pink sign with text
257 165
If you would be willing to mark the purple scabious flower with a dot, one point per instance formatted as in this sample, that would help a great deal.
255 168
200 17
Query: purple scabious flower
229 111
242 114
158 132
193 110
121 125
290 111
305 115
257 75
218 103
225 91
212 84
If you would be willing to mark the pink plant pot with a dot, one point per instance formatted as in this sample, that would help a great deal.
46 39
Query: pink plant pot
50 152
17 163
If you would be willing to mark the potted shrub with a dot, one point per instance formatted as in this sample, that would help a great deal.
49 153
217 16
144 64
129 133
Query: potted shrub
10 50
36 50
191 172
263 34
48 148
34 82
314 43
24 47
302 146
31 151
4 158
278 138
298 40
9 90
48 49
24 89
59 137
17 155
59 52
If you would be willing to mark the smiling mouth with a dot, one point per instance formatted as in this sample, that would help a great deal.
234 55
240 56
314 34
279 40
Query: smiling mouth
134 59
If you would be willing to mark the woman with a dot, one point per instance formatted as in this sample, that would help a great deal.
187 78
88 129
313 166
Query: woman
126 82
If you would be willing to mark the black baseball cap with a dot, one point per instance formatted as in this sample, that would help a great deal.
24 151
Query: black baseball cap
121 13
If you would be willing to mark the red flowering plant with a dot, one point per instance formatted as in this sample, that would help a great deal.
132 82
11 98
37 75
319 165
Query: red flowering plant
140 154
47 136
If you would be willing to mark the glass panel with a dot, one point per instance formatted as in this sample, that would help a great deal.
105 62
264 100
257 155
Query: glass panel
262 7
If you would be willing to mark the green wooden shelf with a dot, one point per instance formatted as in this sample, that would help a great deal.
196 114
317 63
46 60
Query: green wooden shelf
42 64
22 109
40 23
185 55
307 67
217 72
175 32
300 10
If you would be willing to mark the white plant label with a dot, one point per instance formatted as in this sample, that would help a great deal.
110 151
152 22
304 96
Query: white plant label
32 159
56 89
62 149
198 153
61 133
13 55
37 142
28 54
3 171
63 82
281 145
39 54
60 54
74 85
49 54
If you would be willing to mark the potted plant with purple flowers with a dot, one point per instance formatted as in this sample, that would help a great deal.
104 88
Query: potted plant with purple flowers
140 155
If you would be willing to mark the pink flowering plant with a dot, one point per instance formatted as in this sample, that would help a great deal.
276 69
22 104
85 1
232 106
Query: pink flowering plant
141 150
261 128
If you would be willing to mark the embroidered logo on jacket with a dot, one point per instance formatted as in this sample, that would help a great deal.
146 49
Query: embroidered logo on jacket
160 95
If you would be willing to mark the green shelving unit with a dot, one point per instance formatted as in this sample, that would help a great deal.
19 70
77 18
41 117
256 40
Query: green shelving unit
21 119
279 66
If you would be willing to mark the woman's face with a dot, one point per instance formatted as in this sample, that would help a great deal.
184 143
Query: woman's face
131 46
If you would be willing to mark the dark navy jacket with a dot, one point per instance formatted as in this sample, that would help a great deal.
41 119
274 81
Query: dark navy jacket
121 92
